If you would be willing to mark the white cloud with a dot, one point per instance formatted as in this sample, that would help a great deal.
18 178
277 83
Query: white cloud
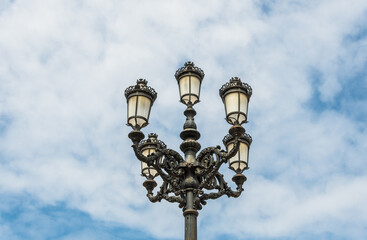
64 66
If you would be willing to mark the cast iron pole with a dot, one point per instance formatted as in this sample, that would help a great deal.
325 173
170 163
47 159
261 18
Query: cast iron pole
190 146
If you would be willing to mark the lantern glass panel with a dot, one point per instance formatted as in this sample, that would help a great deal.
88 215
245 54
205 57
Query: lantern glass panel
230 147
144 104
131 106
138 110
148 170
243 103
184 86
189 89
236 107
239 161
231 102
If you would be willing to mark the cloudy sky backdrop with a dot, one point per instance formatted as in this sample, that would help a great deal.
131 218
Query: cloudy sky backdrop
66 167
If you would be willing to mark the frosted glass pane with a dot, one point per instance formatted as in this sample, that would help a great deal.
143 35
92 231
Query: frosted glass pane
189 89
140 121
235 112
229 147
145 152
146 170
144 167
195 86
132 121
241 165
143 107
187 98
239 161
241 118
235 158
243 108
231 102
184 85
244 152
131 106
148 151
153 172
243 103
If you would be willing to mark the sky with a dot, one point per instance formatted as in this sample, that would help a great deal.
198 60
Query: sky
67 170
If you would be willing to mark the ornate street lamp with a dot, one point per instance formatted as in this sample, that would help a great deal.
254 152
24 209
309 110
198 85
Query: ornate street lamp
191 180
147 148
189 80
238 162
236 95
140 99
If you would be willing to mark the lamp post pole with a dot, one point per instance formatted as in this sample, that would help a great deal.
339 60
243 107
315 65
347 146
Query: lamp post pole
190 146
192 179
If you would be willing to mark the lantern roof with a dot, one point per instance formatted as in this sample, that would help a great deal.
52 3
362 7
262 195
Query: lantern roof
235 82
152 140
189 67
141 86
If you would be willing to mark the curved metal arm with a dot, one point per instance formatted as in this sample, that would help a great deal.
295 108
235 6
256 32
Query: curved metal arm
167 190
171 158
216 150
159 196
171 162
234 150
172 199
156 198
223 156
173 153
146 159
163 193
162 174
223 189
228 190
151 160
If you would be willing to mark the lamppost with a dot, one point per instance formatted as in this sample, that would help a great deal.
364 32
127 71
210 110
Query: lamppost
192 179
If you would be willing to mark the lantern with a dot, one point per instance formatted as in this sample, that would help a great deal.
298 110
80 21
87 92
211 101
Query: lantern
239 162
236 96
148 147
189 80
140 99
